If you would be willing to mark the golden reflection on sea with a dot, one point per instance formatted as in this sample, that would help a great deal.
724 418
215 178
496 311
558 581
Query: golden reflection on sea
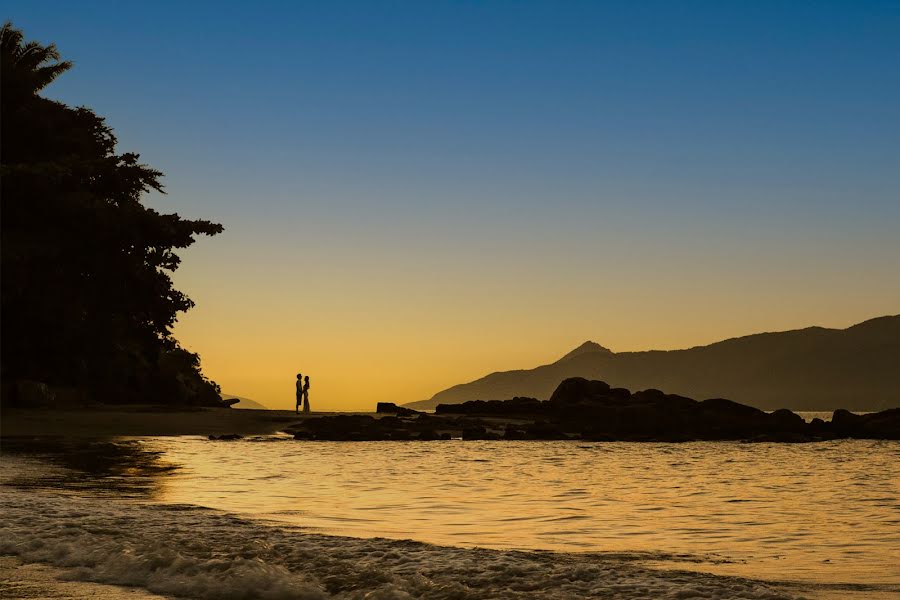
824 512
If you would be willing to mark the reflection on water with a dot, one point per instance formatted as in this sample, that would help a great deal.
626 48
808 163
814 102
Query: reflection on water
121 468
824 512
817 512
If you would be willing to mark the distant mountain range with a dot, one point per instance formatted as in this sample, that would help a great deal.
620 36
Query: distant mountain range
857 368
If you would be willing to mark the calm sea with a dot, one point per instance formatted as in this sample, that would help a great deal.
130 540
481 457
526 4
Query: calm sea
758 520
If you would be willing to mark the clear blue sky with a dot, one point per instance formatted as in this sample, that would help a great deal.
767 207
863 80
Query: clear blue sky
734 166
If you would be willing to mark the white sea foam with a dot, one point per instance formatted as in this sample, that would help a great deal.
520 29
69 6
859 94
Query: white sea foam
199 553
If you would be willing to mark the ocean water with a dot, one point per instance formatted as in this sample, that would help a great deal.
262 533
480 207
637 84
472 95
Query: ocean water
270 517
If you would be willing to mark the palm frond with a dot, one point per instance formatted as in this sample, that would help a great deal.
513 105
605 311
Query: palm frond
27 67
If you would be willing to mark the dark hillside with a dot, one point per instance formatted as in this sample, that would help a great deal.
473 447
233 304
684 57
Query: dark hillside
807 369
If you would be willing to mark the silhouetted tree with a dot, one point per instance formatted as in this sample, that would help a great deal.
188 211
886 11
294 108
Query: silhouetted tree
86 295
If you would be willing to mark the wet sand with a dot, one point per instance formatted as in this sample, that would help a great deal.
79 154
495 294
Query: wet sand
18 580
146 420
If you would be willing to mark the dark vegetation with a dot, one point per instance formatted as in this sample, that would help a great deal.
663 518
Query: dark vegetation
807 369
87 299
592 410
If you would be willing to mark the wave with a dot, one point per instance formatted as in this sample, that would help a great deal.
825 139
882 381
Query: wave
201 553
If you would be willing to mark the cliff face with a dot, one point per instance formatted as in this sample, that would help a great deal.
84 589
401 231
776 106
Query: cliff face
808 369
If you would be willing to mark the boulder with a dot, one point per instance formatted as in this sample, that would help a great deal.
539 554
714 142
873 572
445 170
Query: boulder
513 433
544 431
884 425
731 409
478 433
844 423
516 406
819 427
785 420
391 408
723 419
388 422
341 427
228 437
650 395
579 389
591 410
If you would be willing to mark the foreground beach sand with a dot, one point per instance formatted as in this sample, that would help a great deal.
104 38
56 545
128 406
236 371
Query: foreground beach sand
37 581
145 420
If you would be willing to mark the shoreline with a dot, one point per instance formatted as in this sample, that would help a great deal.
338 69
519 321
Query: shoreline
162 562
177 551
146 420
21 580
112 529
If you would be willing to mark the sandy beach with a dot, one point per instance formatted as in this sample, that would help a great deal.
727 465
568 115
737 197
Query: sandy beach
36 581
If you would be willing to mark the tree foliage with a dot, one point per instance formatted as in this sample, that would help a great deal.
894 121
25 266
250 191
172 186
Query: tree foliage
87 297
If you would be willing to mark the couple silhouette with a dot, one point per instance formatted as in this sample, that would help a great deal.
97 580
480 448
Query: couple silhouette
302 393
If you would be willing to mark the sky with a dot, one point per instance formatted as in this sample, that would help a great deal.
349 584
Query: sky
416 194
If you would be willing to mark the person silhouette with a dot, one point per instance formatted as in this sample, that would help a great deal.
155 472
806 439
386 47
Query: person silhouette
299 392
306 394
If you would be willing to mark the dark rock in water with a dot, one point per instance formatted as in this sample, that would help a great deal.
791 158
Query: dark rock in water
591 410
390 407
729 409
516 406
719 418
578 389
620 393
818 423
651 395
479 433
513 433
544 431
784 437
884 425
787 420
228 437
843 419
388 422
474 433
339 427
361 428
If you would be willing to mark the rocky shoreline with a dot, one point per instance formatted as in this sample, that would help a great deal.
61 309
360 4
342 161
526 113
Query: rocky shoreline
591 410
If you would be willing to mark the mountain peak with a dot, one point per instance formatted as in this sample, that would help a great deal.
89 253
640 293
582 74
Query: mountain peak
585 348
